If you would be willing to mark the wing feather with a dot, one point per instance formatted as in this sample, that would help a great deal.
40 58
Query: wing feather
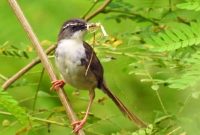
95 66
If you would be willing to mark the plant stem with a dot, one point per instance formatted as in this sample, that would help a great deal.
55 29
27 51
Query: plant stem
3 77
170 5
172 132
131 14
161 102
37 90
38 119
63 98
157 94
49 121
185 102
99 10
90 9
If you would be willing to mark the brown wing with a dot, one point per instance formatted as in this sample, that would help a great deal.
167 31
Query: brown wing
95 66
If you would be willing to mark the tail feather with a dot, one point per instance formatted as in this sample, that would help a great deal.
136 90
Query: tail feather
123 108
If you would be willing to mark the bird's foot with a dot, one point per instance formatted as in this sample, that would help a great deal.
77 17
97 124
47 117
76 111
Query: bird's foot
78 125
56 85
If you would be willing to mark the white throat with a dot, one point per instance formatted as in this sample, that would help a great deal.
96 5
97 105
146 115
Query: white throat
71 45
72 48
78 35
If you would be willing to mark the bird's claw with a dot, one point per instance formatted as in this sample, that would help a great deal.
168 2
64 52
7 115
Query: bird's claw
57 84
78 125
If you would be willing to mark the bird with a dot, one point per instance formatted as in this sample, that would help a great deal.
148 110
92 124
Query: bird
80 67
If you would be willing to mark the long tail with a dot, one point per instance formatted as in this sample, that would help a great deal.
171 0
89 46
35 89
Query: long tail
123 108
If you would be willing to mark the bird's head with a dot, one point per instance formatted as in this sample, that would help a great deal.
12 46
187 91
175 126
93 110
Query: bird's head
74 28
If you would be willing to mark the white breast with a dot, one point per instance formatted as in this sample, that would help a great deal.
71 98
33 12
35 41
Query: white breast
68 60
68 55
71 49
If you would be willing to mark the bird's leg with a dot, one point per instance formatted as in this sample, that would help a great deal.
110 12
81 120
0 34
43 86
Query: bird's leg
57 84
77 125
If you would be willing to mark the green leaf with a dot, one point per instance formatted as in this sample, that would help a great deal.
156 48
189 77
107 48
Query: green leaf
179 37
11 105
192 5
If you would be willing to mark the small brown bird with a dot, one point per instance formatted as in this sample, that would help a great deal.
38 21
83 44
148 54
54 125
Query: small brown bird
73 57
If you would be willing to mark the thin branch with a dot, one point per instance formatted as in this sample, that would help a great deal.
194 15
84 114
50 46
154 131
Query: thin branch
170 6
188 98
161 102
98 11
25 69
157 93
39 119
3 77
87 69
132 14
37 90
18 12
48 121
90 9
172 132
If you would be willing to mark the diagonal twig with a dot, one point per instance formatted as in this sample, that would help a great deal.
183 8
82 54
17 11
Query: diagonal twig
43 57
90 9
99 10
25 69
90 61
37 90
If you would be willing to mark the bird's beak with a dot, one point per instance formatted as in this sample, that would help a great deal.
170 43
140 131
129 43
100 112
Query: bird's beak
92 26
95 26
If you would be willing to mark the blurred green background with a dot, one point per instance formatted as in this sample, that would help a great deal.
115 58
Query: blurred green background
46 18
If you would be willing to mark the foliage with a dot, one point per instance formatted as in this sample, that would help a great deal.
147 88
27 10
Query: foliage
12 106
190 5
9 50
151 54
176 38
146 131
183 36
